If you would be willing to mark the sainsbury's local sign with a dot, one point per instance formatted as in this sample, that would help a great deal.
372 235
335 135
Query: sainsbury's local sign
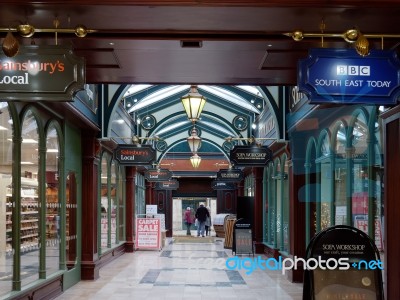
343 76
41 73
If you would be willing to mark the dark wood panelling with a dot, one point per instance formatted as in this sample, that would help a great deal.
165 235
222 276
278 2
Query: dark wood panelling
49 290
90 168
392 204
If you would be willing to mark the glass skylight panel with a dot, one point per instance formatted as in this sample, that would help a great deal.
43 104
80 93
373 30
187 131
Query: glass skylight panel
217 127
159 96
171 127
135 88
230 97
250 89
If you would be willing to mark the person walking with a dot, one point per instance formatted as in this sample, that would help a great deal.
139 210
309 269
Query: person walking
208 222
201 216
187 218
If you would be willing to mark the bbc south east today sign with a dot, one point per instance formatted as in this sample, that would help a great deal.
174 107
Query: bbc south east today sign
343 76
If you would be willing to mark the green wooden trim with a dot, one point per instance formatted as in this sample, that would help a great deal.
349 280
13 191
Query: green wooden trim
42 210
264 202
269 215
61 191
307 166
109 166
117 191
100 171
16 182
281 191
333 191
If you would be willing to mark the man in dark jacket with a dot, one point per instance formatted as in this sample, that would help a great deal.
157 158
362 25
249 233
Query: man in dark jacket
201 216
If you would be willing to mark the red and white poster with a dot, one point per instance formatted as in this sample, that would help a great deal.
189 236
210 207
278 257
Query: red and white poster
148 233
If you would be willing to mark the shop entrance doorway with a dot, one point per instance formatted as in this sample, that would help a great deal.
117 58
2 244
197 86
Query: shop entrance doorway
179 207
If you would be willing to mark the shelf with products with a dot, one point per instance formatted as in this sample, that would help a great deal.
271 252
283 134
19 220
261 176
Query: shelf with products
29 211
52 212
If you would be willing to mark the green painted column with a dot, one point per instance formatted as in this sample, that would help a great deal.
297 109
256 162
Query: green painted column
42 211
307 167
16 212
349 184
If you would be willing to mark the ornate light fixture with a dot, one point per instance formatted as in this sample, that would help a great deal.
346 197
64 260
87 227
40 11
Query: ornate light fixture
193 102
195 160
194 141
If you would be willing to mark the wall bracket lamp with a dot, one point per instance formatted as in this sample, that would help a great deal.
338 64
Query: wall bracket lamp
351 36
11 46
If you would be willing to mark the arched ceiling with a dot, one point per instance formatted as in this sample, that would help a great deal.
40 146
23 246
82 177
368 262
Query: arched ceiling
228 112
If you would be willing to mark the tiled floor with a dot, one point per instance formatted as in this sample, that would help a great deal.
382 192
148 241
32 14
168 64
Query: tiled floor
183 271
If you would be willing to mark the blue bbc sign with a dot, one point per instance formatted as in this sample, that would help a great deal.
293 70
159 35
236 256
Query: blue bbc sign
342 76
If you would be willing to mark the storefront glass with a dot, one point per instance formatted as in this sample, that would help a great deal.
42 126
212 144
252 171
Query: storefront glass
112 209
340 175
249 186
104 202
360 176
7 227
71 220
29 202
357 194
285 204
272 206
278 201
121 205
53 204
325 166
113 204
140 204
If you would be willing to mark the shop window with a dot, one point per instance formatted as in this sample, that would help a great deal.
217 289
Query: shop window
53 211
325 161
7 226
272 207
140 201
360 176
340 176
113 204
278 201
310 192
265 205
104 203
71 220
285 204
29 201
249 186
121 205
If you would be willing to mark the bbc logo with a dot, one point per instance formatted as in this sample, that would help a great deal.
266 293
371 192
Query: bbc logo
353 70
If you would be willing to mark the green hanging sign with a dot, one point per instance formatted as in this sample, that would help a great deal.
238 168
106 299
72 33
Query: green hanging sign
41 73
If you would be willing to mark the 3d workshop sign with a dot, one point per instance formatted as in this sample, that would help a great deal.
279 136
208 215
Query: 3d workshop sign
250 155
157 175
41 73
135 156
343 76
